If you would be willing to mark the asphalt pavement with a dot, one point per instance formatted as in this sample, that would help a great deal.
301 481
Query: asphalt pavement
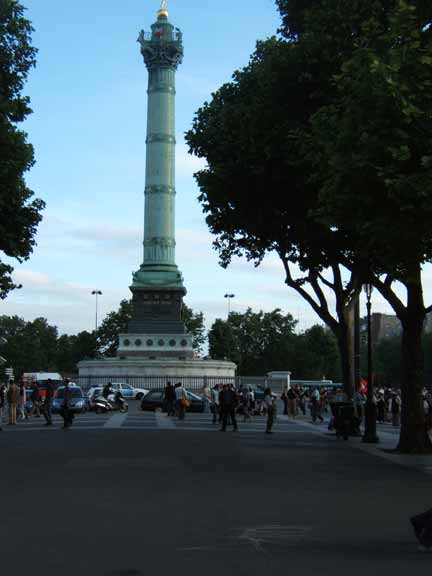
148 495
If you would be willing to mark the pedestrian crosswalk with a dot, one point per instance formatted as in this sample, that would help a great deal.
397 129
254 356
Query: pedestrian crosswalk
135 419
138 420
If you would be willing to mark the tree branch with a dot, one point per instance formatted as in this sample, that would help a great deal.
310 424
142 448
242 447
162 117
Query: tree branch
325 281
323 313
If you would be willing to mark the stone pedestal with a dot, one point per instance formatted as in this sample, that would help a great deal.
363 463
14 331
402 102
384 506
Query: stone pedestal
171 369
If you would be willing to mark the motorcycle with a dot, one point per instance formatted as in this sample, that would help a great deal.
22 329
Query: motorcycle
118 402
100 405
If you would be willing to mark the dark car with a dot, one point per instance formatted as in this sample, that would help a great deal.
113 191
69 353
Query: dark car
258 392
155 399
78 402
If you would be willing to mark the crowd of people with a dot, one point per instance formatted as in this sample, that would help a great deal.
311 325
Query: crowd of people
14 401
226 403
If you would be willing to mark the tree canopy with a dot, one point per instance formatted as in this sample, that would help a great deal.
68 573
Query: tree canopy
19 213
261 342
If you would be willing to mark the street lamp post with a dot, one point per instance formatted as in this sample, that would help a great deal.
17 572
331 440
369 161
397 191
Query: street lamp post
96 293
229 297
370 435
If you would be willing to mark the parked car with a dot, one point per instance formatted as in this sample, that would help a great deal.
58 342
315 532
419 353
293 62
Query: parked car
127 390
155 399
78 402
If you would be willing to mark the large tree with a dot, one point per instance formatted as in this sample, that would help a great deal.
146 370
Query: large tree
374 164
19 213
31 346
263 186
73 349
257 342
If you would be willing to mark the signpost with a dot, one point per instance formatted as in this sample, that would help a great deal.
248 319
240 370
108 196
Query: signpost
3 341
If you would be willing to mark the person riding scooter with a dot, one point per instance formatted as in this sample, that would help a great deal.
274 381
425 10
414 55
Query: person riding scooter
118 402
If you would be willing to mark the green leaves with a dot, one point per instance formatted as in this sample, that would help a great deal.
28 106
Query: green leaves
260 342
372 144
19 214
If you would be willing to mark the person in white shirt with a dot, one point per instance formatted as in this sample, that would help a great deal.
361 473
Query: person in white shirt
215 408
270 404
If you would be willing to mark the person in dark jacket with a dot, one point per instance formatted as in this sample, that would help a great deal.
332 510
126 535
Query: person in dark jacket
228 405
422 524
47 405
66 411
35 398
107 390
170 399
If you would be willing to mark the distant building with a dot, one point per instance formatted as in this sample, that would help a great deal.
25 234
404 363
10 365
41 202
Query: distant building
388 326
385 326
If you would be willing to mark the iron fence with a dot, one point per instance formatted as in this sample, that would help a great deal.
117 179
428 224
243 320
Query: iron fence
189 382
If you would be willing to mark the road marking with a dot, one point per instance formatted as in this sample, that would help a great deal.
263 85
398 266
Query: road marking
116 421
163 421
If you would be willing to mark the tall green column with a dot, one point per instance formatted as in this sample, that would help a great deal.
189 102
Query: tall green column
156 329
162 50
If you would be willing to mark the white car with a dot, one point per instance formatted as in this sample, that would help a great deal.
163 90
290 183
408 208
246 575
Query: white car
127 390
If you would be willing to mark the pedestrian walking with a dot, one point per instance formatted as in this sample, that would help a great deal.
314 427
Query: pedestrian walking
47 405
381 408
316 406
270 403
245 403
181 400
302 400
214 406
284 398
36 400
292 402
395 409
228 405
169 399
65 410
12 398
422 524
427 406
252 404
22 399
2 404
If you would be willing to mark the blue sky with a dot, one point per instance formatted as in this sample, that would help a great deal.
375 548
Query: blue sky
88 93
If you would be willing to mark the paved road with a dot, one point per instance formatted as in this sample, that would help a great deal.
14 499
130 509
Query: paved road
143 499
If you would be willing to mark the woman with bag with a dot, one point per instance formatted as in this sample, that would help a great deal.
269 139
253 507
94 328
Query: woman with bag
181 400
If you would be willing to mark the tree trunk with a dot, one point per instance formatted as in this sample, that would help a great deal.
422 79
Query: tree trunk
344 337
413 436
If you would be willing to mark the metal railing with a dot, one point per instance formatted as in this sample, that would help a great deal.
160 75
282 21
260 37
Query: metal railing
189 382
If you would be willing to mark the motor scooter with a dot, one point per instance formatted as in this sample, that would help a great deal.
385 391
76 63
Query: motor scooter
100 405
118 402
